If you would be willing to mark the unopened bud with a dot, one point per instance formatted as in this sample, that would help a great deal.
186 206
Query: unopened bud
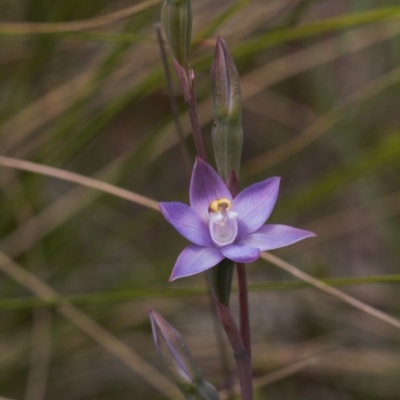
173 351
177 358
176 18
225 83
227 133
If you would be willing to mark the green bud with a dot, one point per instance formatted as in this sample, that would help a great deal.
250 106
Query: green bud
227 138
227 133
176 18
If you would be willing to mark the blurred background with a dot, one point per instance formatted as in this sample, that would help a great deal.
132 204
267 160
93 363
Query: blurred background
320 84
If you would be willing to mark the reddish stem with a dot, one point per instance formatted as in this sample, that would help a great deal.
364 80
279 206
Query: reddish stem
194 120
173 104
186 79
244 307
242 356
244 368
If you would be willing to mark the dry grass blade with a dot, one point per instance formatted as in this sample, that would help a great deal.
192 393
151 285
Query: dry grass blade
91 328
349 220
40 355
28 166
9 28
276 376
290 65
79 179
54 215
315 55
38 113
284 372
83 90
291 269
321 125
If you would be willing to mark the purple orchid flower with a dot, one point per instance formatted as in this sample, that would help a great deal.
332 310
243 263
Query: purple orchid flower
220 226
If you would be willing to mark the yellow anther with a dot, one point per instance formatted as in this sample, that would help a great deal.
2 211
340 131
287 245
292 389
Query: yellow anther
219 205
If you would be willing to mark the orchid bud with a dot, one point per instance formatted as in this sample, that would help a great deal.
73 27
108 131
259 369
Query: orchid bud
173 351
225 83
176 18
227 133
177 358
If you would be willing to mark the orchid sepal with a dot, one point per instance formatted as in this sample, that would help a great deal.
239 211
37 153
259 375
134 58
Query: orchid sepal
220 226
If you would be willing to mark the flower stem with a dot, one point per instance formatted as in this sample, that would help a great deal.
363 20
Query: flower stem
244 307
242 356
194 120
186 79
233 186
173 105
245 375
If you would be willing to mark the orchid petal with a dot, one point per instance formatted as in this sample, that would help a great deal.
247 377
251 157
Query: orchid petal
240 253
254 205
195 259
187 222
270 237
206 185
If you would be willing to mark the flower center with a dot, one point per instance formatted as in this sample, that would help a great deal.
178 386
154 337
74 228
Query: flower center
222 222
